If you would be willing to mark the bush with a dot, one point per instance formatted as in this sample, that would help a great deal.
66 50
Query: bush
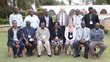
105 30
4 21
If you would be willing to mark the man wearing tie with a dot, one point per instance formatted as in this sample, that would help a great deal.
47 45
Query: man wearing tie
62 18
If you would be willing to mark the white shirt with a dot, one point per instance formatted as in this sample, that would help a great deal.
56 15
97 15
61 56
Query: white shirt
15 34
34 21
62 16
66 34
17 17
77 19
47 20
83 33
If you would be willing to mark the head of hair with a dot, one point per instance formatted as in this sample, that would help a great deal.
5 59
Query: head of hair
41 23
13 21
55 23
90 8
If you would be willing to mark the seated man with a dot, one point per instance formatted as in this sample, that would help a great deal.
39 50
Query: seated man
14 40
56 38
97 36
43 35
83 37
29 38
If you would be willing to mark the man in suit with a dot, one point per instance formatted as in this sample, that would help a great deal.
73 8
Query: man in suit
91 19
83 37
14 39
43 35
62 18
47 19
29 38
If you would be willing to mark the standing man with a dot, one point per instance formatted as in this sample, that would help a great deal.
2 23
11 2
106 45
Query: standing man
77 19
29 38
62 18
15 40
97 36
83 37
47 19
91 19
16 16
33 19
43 35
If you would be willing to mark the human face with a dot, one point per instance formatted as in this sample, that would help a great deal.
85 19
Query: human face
42 25
56 25
77 12
15 10
97 25
14 23
31 12
70 24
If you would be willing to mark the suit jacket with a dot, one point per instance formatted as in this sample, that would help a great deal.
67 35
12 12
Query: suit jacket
94 19
58 18
11 35
53 34
42 19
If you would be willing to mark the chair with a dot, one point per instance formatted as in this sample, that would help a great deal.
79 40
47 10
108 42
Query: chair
10 51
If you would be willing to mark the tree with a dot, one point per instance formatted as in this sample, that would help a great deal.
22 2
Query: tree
70 1
100 2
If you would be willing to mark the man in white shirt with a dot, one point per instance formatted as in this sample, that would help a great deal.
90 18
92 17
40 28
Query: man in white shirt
33 19
77 19
16 16
83 37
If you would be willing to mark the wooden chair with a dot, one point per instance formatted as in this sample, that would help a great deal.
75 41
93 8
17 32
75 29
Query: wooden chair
10 51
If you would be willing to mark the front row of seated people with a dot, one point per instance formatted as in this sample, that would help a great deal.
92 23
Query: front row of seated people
31 39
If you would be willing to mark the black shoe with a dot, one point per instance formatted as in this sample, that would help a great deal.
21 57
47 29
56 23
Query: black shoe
20 55
14 56
39 55
76 56
97 56
50 55
86 56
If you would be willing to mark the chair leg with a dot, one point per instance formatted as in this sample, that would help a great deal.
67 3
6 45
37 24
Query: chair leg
10 52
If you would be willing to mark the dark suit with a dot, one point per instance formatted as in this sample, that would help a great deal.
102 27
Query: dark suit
42 19
94 19
12 42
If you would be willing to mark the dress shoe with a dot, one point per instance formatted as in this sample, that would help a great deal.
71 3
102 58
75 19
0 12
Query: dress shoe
50 55
76 56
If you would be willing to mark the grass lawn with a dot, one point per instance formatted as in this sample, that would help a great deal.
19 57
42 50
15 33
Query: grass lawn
44 58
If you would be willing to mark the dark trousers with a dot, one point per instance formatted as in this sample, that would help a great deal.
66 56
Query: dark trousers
30 49
63 32
13 45
77 49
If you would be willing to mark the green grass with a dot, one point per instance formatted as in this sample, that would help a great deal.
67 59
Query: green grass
62 58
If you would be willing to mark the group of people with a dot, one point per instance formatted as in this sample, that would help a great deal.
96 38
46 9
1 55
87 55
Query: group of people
65 33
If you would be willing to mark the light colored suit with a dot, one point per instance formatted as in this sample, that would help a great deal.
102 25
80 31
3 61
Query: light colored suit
65 18
43 34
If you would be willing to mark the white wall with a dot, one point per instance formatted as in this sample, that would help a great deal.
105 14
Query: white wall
68 8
